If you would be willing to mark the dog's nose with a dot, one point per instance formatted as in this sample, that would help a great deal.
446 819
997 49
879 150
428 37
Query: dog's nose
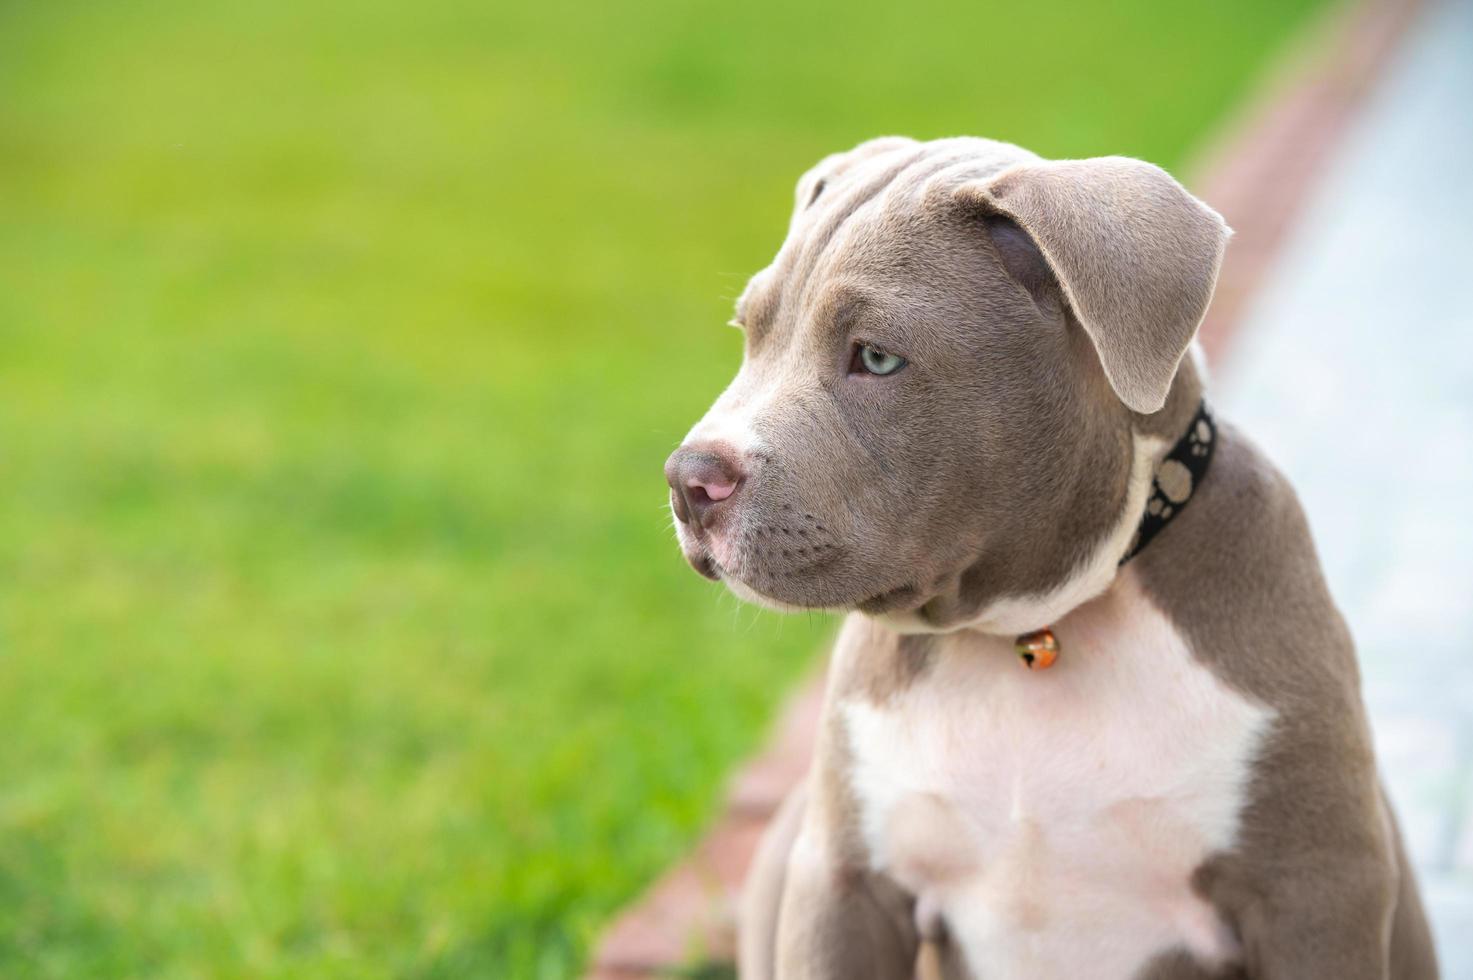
702 479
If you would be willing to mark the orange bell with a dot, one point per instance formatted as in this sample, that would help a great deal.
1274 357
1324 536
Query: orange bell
1038 650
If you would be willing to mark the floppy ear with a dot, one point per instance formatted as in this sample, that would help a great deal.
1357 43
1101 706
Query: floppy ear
1135 254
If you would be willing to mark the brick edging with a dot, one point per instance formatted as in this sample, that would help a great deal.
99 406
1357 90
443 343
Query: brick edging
689 913
1257 173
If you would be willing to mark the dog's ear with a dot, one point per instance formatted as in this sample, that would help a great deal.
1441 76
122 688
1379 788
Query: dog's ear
1135 254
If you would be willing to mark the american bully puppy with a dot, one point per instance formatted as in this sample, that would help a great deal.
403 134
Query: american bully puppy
1093 713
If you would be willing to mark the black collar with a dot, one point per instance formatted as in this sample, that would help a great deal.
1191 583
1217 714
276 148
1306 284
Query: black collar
1177 477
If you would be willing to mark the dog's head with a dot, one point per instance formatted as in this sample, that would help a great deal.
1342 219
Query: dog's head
943 411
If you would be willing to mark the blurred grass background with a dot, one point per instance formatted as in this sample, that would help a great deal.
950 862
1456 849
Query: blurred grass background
342 633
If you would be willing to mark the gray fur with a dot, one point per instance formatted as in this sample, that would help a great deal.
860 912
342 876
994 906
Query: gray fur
1044 308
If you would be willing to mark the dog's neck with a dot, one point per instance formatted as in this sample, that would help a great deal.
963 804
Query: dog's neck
1173 483
1155 439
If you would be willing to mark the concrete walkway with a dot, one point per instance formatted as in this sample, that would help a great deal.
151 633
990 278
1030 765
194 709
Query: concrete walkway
1354 368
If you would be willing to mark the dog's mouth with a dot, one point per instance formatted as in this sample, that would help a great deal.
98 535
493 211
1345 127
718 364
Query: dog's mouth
755 585
700 550
699 557
783 564
704 565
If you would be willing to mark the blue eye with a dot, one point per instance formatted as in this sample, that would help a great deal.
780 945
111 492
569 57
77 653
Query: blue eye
872 360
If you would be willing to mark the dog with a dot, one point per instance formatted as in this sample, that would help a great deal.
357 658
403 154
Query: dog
1092 712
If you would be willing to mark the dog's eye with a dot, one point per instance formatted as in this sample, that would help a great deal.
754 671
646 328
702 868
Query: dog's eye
872 360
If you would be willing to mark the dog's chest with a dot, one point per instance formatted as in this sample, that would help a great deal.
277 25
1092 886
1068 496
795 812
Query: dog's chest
1053 819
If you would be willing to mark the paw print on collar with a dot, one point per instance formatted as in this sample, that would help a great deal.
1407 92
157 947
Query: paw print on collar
1176 479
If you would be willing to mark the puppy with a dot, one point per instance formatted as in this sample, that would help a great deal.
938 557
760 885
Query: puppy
1093 713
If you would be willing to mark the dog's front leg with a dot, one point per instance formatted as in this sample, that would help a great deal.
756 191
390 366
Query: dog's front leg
841 920
1324 924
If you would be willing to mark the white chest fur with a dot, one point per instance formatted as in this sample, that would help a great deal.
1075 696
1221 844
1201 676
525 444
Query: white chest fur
1054 818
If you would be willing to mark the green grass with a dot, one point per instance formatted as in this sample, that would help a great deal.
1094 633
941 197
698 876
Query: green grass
341 629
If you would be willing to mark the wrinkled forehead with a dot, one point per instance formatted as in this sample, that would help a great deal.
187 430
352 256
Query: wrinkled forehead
858 221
